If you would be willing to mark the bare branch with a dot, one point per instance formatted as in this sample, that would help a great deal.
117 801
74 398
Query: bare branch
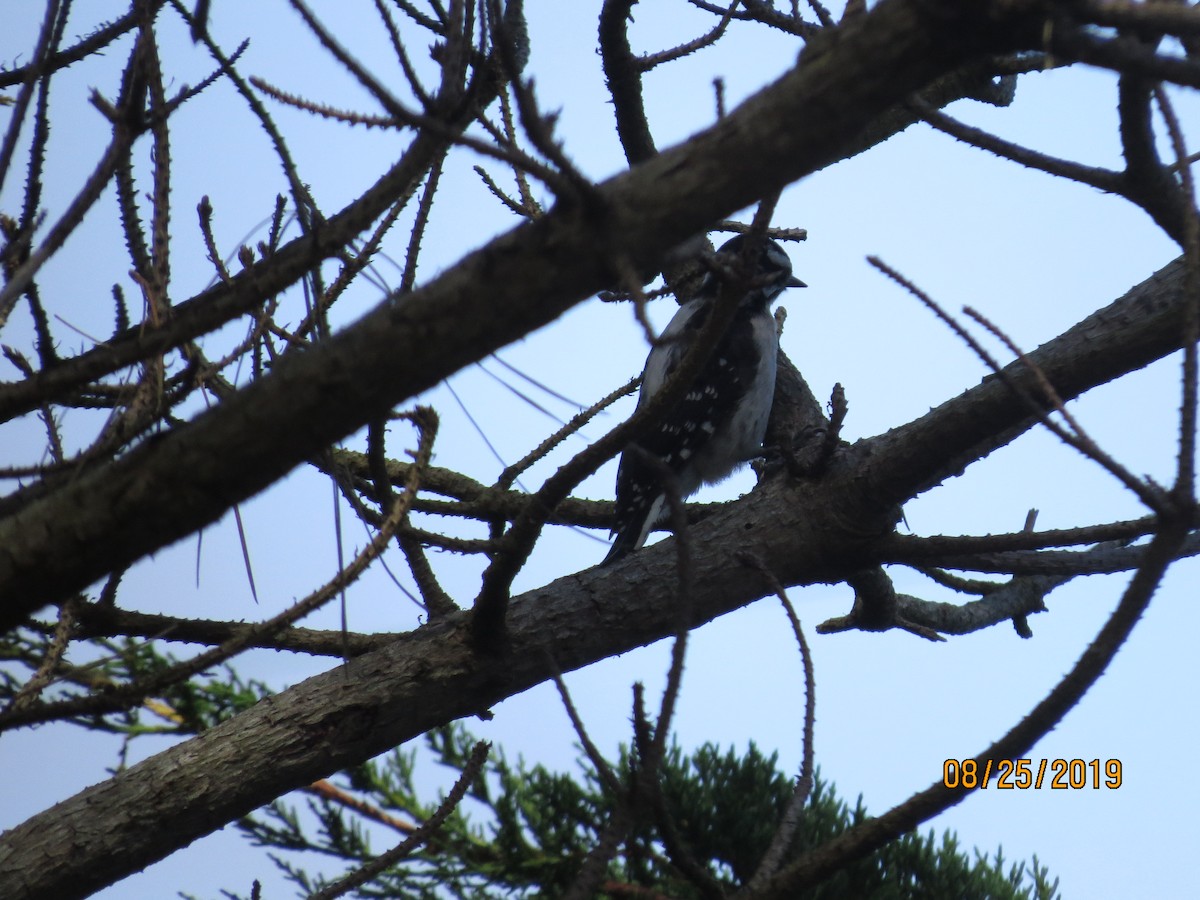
422 835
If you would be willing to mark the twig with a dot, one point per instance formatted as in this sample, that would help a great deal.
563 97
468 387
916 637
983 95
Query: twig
1102 179
422 835
511 473
651 60
1076 438
1184 489
327 790
785 833
603 770
46 671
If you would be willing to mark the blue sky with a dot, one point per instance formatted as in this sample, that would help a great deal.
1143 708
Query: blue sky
1033 253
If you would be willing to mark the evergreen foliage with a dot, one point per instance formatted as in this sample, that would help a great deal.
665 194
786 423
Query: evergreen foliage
528 831
525 831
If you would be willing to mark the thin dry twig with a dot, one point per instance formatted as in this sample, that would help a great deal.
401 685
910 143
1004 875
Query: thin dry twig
793 816
45 674
422 835
651 60
1074 435
1076 438
599 764
1184 489
580 419
327 790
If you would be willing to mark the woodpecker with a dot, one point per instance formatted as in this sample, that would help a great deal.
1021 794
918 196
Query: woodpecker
720 421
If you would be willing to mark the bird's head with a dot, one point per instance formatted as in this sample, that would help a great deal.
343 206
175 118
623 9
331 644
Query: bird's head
771 272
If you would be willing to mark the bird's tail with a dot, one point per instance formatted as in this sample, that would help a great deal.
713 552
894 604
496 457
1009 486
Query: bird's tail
624 543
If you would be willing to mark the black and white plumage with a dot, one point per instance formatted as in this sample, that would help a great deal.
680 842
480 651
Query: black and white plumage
721 420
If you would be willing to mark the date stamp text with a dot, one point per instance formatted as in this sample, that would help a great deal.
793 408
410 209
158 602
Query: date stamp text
1023 774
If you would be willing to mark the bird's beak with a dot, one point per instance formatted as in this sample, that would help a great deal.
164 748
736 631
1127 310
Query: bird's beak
794 282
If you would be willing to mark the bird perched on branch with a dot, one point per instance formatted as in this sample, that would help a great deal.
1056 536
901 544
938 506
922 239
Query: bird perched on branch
720 421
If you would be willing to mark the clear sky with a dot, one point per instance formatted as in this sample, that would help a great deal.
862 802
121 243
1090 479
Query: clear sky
1033 253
